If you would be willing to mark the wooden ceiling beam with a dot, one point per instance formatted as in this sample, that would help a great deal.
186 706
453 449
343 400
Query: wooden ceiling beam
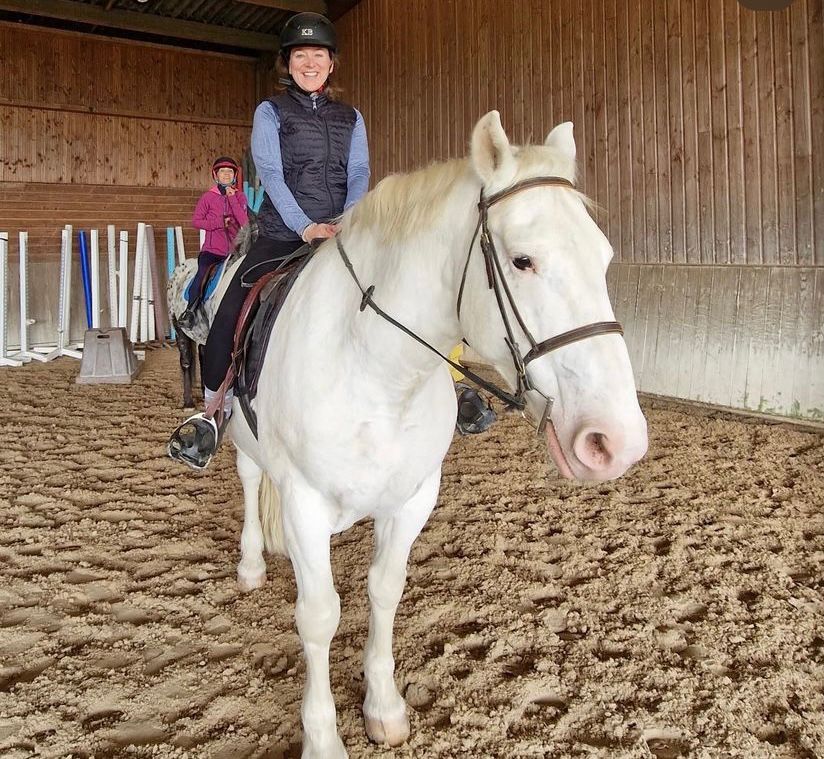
66 10
296 6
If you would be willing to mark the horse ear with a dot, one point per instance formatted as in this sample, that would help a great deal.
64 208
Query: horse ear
491 152
562 140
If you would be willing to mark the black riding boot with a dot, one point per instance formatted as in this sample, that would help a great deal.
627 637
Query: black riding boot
474 413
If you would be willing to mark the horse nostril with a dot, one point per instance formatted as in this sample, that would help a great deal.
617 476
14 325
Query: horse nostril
593 450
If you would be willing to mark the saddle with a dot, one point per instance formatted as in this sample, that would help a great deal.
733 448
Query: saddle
257 319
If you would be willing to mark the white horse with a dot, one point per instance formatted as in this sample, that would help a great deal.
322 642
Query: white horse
355 417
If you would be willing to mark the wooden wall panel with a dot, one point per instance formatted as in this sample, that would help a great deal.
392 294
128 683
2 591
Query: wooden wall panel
82 109
747 337
695 119
815 73
44 209
74 71
54 146
699 133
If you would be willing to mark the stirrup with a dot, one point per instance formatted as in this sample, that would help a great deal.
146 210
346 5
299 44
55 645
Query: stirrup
195 441
475 415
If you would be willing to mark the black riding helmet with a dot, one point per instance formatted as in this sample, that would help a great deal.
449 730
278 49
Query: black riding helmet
307 29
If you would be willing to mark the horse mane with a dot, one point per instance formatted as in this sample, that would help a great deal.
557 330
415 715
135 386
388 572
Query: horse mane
389 205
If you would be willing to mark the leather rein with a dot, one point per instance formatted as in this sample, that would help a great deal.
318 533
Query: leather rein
498 284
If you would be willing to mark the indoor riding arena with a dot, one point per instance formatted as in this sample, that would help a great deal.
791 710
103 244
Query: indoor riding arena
676 611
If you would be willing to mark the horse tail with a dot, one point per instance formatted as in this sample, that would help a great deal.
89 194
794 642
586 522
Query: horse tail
271 521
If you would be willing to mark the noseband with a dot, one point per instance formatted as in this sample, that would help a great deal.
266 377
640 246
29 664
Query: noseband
498 284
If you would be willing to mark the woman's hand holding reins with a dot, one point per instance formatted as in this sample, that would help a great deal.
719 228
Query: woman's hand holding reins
319 231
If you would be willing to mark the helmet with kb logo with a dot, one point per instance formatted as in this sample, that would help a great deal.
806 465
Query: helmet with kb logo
307 29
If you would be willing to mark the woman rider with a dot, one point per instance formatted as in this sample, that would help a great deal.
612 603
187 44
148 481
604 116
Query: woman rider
311 154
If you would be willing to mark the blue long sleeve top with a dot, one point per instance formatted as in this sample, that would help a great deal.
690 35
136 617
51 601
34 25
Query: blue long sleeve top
269 164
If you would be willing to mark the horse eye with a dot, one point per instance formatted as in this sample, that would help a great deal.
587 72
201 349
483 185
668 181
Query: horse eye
522 262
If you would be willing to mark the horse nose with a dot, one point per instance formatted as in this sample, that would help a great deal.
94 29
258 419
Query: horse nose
608 453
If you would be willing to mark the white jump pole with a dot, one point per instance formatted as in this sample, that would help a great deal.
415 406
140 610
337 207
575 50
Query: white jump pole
150 303
94 273
111 252
181 250
23 353
150 282
25 322
123 281
137 282
158 320
63 317
145 284
5 359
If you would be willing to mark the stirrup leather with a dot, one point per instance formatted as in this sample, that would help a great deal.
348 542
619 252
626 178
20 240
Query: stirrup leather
195 442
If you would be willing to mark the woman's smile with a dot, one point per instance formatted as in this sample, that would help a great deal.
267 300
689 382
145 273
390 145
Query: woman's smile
310 67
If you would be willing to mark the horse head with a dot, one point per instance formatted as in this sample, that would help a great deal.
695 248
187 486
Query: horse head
550 259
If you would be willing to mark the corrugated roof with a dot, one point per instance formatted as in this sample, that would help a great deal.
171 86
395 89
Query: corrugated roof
243 26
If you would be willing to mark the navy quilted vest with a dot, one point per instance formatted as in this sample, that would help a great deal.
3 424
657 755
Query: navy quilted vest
315 138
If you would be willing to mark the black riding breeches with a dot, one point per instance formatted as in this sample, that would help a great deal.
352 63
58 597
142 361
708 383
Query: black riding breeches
264 256
204 260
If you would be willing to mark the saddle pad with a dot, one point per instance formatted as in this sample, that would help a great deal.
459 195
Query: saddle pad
272 298
212 279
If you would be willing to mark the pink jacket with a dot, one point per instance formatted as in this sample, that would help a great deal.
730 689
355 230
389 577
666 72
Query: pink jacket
210 213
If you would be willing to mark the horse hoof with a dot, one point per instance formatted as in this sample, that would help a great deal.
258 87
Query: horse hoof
249 581
387 732
324 751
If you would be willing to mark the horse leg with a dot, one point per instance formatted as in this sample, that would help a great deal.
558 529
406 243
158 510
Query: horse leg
184 347
201 353
384 709
317 614
251 571
192 369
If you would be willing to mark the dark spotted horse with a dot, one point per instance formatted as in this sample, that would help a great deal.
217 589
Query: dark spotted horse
190 341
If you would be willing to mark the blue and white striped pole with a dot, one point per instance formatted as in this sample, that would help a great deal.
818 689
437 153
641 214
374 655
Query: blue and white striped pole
84 273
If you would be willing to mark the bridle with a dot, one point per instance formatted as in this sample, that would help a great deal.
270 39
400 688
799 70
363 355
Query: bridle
497 282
